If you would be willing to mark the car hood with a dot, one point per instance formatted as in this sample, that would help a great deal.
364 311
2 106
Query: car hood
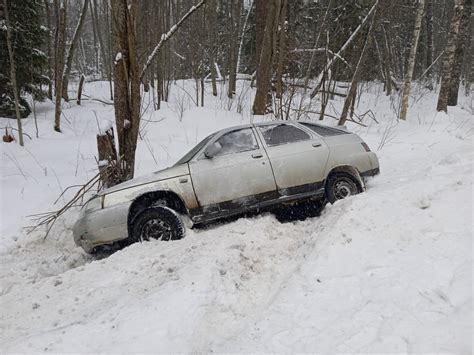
171 172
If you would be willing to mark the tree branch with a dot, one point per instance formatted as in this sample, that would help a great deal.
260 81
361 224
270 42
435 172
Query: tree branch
166 36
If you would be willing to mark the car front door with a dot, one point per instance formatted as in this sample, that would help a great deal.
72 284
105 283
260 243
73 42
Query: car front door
232 172
298 159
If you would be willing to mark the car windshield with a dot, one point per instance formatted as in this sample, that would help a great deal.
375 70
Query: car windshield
189 155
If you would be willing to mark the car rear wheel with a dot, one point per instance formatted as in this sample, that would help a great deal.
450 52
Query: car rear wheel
340 186
158 222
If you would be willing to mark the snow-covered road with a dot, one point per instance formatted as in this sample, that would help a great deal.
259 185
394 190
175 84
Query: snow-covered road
389 270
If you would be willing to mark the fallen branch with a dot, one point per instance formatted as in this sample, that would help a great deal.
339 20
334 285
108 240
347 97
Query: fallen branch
327 115
48 219
99 100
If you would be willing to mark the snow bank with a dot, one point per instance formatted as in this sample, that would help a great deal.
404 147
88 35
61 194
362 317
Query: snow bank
389 270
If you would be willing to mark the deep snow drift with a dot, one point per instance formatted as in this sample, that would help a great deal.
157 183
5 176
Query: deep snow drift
389 270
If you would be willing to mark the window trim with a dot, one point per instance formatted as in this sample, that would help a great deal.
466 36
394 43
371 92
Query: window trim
282 124
306 125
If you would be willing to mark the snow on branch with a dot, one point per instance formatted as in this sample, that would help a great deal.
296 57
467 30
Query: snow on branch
312 50
166 36
342 49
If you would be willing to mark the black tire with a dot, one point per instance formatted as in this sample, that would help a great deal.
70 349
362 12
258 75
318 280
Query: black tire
159 222
341 185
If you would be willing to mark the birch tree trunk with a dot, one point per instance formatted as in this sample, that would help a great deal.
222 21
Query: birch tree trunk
11 56
72 48
449 53
59 67
411 59
461 43
242 35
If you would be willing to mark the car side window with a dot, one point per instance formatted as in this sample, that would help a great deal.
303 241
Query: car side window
282 134
238 141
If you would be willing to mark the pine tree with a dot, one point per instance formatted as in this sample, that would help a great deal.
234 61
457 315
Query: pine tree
28 38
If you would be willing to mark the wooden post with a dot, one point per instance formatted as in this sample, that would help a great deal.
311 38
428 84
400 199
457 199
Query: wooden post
107 158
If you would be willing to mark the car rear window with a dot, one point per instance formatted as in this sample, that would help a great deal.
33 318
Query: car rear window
323 130
282 134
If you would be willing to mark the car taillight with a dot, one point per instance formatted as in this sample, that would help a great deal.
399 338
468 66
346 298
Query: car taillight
366 147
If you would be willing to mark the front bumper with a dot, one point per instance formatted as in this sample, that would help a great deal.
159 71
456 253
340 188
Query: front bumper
102 226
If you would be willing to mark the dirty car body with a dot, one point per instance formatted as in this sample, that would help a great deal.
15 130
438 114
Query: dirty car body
236 170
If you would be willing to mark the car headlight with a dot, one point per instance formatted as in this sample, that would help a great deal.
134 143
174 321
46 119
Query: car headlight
94 204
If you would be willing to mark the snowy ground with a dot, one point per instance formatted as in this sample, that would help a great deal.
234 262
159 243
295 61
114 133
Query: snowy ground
389 270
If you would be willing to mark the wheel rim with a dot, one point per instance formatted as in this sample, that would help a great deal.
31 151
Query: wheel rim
156 229
343 189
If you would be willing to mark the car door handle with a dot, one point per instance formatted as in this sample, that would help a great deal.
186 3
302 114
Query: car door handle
257 155
316 145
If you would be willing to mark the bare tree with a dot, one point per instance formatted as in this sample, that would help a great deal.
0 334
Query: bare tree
350 100
72 48
126 87
411 59
461 44
264 69
166 36
449 53
235 9
50 49
330 63
59 63
11 55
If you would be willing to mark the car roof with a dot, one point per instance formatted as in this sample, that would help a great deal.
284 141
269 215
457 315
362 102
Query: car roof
268 123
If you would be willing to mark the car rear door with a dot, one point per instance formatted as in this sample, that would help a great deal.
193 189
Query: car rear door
298 157
238 175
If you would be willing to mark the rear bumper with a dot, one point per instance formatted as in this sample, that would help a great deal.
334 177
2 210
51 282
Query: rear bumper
371 172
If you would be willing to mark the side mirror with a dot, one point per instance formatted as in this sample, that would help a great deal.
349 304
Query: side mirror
211 151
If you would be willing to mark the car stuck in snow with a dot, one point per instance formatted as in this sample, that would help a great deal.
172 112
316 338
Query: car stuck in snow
241 169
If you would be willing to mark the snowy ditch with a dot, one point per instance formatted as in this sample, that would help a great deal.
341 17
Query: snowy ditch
387 270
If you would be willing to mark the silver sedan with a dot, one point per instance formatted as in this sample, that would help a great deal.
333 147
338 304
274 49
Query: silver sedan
252 167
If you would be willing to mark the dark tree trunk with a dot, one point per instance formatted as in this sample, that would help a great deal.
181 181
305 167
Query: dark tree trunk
126 87
79 90
261 10
50 49
429 42
264 69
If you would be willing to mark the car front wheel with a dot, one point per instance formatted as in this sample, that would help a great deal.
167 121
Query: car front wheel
158 222
340 186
